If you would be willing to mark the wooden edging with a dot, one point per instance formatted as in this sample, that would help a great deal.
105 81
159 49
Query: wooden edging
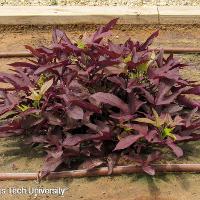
103 171
166 50
46 15
15 54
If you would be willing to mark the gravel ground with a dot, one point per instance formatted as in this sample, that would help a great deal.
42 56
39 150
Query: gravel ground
101 2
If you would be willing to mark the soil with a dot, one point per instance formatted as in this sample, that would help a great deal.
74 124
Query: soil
15 157
170 35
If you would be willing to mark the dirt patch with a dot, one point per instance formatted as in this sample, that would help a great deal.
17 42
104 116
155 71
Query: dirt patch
15 157
131 187
13 38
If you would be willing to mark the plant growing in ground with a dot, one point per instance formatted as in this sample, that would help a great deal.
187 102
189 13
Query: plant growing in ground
89 102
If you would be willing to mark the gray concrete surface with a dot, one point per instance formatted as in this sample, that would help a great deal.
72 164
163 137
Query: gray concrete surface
101 2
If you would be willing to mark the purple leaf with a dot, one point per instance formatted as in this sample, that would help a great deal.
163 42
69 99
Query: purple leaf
75 139
189 102
87 106
53 119
151 135
153 157
91 163
134 103
50 165
141 129
112 161
149 170
24 64
11 128
37 139
176 149
34 52
110 99
75 112
122 117
163 97
29 112
127 141
118 81
149 41
194 90
59 36
149 97
10 101
49 67
102 32
182 138
19 80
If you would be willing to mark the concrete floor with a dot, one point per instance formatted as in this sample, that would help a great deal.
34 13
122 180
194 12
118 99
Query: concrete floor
102 2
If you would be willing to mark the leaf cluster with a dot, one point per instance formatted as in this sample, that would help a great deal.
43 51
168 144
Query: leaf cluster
89 102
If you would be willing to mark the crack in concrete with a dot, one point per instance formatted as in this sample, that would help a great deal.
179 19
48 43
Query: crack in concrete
158 14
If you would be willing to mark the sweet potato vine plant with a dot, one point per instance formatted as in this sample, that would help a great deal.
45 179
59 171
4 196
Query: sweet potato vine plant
90 102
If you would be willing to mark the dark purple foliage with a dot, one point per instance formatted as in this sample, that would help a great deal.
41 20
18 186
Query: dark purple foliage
90 102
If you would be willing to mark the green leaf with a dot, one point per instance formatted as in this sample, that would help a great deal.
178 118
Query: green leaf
36 104
73 59
41 80
133 75
45 87
153 56
142 68
145 120
35 95
168 132
128 58
80 44
126 129
158 120
23 107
